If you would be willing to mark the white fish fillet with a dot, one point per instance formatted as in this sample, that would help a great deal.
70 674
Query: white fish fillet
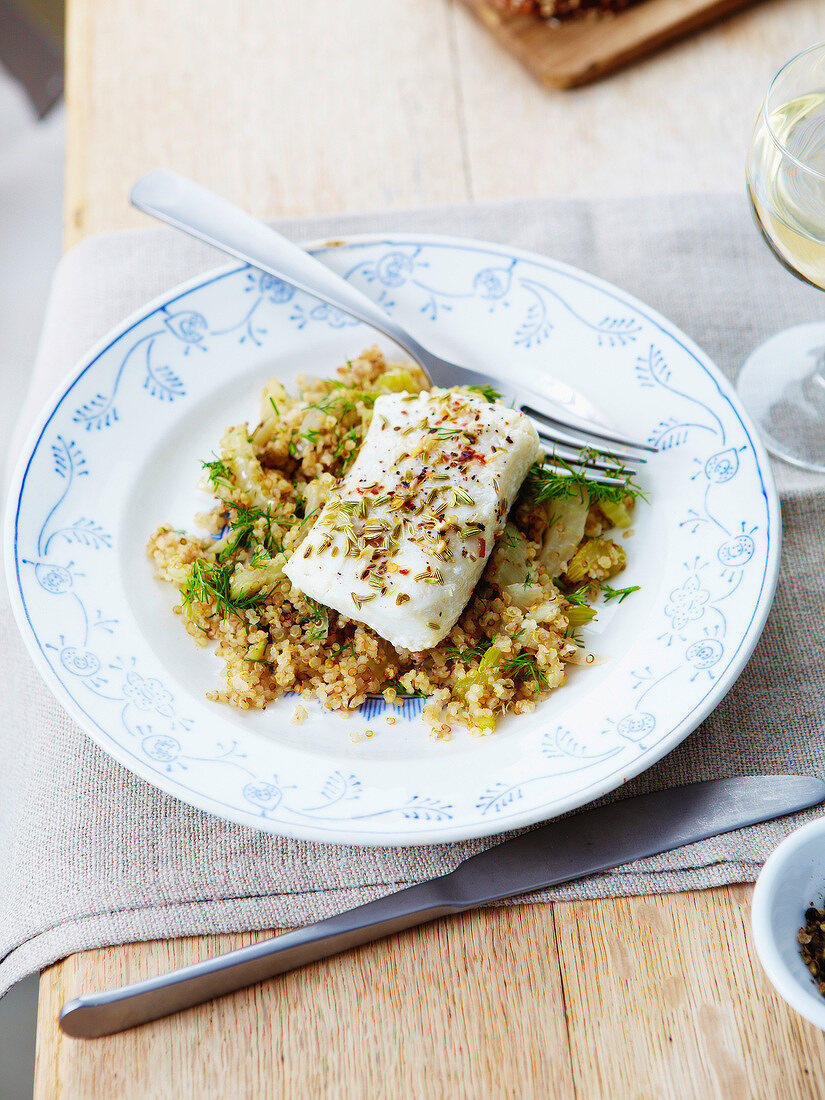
402 541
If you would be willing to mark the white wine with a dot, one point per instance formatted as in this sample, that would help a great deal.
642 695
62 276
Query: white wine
786 183
782 382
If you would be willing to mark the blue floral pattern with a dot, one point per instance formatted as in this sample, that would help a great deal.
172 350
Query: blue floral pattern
715 502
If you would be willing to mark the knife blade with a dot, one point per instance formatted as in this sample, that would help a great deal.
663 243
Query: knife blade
565 849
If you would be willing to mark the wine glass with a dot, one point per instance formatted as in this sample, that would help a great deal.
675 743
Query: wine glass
782 383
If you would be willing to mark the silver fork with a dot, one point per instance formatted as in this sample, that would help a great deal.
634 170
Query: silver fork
608 458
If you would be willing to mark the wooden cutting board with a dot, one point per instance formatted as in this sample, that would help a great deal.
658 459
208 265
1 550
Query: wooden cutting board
568 54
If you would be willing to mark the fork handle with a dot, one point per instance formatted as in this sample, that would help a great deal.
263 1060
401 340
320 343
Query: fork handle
186 205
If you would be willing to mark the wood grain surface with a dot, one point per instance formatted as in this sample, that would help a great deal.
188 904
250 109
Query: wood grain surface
571 53
658 997
392 104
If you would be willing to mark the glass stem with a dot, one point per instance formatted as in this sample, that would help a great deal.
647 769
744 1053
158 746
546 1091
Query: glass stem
813 385
818 375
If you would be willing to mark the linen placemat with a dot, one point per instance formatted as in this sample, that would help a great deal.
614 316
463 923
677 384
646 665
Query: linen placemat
92 856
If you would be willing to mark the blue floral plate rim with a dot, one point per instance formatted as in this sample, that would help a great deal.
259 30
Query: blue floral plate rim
423 823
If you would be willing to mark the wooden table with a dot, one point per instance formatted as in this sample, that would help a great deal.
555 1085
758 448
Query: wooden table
294 108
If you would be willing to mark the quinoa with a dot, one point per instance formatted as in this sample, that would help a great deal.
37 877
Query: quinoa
510 647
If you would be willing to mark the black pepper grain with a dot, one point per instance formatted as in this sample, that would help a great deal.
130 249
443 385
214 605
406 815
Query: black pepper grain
811 938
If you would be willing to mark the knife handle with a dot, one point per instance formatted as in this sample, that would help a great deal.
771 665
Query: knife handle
562 850
97 1014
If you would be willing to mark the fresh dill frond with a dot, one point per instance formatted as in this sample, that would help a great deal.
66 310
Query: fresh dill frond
509 537
473 652
241 534
319 615
211 583
619 594
244 519
219 473
402 692
486 391
342 400
524 666
354 434
305 519
579 597
545 482
261 557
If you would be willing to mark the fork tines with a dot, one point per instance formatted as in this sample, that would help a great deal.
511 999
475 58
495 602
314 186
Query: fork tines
605 461
586 461
585 438
589 472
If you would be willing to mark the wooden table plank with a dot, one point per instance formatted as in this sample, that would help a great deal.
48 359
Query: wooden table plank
677 121
431 1013
301 108
456 118
666 998
645 997
288 108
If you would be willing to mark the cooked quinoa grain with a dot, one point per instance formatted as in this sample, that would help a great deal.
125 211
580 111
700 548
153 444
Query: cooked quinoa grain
510 647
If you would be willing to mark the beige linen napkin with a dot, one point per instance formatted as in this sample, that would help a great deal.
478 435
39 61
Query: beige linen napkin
91 855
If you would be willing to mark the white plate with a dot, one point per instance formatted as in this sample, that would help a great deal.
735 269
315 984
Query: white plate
118 451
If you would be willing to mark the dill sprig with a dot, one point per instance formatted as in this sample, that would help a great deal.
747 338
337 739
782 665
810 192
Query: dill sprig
402 692
319 615
219 473
342 400
524 666
353 434
521 666
211 583
243 521
471 653
486 391
563 480
510 537
619 594
579 597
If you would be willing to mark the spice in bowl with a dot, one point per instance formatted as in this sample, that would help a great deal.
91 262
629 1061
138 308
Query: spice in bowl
812 942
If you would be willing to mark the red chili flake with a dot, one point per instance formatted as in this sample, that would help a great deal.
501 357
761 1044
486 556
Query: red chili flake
404 571
482 547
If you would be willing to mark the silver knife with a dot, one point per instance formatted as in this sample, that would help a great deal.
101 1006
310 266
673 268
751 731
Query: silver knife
565 849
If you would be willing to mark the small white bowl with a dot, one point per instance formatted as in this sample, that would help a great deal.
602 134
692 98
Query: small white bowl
792 879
